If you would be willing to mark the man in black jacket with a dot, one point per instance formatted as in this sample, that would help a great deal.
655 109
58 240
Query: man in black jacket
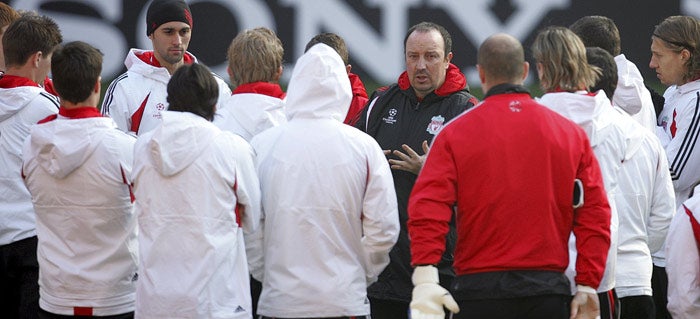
405 117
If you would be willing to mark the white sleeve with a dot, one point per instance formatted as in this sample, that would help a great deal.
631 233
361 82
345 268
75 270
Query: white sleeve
116 106
682 264
248 197
663 204
380 216
683 156
247 186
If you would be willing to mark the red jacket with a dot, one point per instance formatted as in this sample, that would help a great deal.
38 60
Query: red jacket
509 165
359 99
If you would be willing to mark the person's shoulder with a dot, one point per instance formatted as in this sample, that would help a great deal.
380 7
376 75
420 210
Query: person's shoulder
47 99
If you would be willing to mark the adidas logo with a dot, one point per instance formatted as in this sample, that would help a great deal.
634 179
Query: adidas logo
239 309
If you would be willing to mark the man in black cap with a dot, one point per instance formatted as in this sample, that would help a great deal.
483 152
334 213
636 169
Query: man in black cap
135 99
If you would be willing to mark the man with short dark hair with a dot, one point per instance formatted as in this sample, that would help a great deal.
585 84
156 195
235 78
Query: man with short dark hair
403 118
525 169
645 201
136 98
77 166
630 95
28 45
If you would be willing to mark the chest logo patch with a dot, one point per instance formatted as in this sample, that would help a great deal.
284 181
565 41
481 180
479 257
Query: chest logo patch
515 106
391 119
435 124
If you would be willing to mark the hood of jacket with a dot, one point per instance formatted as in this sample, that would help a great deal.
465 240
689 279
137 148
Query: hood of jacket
455 81
61 146
178 141
15 93
145 63
582 108
319 86
255 112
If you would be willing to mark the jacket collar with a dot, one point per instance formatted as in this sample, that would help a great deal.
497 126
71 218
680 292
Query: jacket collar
506 88
455 81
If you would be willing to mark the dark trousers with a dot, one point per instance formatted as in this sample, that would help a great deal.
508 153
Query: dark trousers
535 307
255 290
637 307
43 314
388 309
19 279
609 305
659 288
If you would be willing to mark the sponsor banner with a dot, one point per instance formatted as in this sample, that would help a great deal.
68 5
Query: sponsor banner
374 30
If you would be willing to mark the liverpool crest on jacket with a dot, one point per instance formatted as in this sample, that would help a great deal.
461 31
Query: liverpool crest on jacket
435 124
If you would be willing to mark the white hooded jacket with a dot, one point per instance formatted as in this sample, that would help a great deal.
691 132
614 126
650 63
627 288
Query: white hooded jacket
330 212
20 108
196 192
632 96
645 206
595 114
680 129
248 114
136 99
683 260
77 172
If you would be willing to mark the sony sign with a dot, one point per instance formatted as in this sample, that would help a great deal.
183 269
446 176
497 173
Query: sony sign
373 29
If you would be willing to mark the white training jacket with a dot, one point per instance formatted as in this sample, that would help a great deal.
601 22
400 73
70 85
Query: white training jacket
77 172
679 130
248 114
196 192
21 107
330 212
632 96
594 113
680 121
683 260
136 98
645 206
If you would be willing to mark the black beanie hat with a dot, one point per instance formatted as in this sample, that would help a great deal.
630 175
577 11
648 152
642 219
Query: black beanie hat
164 11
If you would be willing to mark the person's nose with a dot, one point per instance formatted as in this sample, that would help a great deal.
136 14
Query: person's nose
422 63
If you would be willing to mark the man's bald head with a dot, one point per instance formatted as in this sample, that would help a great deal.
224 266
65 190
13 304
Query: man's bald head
501 58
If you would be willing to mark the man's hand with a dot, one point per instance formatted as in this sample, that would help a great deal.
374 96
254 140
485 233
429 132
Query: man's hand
409 161
429 297
585 304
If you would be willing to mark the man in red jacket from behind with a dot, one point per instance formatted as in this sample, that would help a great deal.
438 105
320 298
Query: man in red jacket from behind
510 166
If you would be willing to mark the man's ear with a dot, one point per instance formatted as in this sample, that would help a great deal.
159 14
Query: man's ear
36 58
526 69
482 74
448 58
98 85
278 75
348 68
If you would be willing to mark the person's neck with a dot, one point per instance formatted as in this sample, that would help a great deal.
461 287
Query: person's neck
90 102
171 67
26 72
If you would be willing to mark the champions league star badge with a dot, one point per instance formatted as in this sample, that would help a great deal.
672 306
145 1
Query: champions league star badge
435 124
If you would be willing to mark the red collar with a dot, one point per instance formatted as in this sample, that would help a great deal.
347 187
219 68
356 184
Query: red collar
12 81
149 58
81 112
454 81
264 88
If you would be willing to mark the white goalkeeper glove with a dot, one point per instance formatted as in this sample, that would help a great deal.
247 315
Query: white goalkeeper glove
429 297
